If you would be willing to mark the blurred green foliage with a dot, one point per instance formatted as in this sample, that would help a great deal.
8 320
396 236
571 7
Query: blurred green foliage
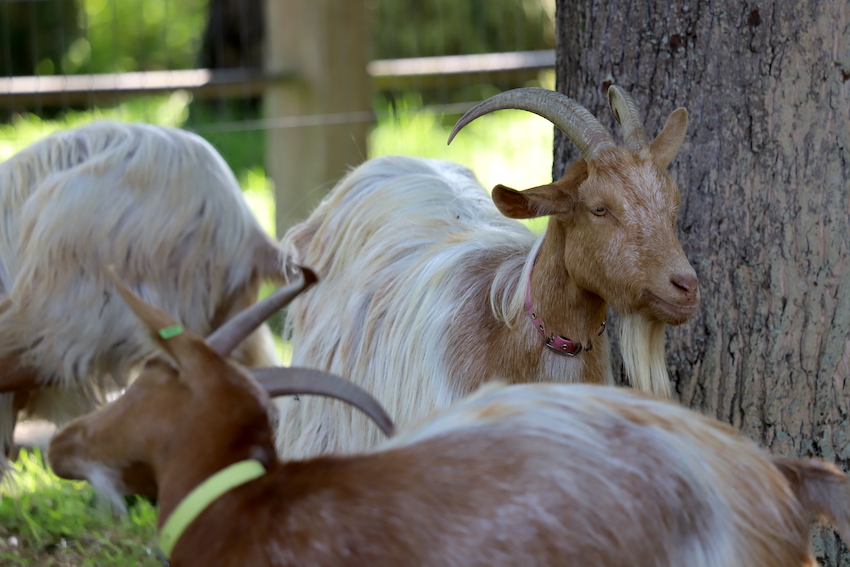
102 36
430 28
47 37
424 28
137 35
34 36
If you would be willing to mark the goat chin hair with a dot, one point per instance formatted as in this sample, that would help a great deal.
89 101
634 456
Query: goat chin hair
642 345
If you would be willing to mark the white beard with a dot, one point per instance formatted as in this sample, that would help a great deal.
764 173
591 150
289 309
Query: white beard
642 345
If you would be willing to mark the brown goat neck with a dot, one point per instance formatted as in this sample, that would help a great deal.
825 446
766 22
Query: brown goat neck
179 471
201 497
568 310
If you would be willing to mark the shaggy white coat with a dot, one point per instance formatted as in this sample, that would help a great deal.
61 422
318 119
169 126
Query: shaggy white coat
158 203
398 287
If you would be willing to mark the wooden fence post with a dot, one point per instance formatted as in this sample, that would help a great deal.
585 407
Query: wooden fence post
320 121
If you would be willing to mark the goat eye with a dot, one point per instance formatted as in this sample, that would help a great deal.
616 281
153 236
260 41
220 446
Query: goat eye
599 211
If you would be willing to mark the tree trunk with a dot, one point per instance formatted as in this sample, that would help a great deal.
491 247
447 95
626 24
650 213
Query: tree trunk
34 36
765 215
234 35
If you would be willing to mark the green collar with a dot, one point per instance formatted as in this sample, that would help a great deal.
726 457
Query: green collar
204 495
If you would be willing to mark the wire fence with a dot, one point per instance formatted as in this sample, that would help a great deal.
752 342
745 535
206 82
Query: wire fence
202 64
133 47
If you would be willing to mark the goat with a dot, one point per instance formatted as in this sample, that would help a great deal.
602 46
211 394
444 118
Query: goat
531 474
161 205
426 290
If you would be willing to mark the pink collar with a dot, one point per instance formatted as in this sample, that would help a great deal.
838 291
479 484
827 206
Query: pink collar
557 343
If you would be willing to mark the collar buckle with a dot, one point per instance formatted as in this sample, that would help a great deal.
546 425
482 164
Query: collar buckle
563 346
557 343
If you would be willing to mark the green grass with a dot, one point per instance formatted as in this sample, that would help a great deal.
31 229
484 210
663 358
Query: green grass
59 523
47 522
24 129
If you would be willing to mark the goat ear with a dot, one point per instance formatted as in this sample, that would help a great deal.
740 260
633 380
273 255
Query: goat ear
666 145
183 346
822 489
557 197
519 204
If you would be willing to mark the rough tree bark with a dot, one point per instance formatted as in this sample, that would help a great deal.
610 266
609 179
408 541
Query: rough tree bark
765 215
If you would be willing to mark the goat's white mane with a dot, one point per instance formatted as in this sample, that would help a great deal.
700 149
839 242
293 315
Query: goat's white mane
107 486
362 228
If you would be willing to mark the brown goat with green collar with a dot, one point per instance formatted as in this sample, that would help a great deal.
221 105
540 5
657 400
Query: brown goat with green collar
512 476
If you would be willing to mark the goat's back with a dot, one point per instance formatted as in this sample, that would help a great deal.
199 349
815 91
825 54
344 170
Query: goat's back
392 200
538 475
579 464
158 203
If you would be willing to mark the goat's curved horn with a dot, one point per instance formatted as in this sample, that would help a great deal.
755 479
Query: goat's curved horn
294 380
579 125
234 331
625 111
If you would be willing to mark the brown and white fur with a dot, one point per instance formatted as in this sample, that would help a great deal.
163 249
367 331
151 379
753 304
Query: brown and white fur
512 476
422 280
158 203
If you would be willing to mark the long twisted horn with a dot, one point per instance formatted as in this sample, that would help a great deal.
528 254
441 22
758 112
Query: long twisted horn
234 331
625 111
579 125
295 380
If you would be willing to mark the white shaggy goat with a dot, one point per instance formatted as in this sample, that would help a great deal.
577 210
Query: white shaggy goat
426 290
522 475
161 205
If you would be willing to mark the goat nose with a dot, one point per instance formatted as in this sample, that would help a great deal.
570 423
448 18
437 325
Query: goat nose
685 281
